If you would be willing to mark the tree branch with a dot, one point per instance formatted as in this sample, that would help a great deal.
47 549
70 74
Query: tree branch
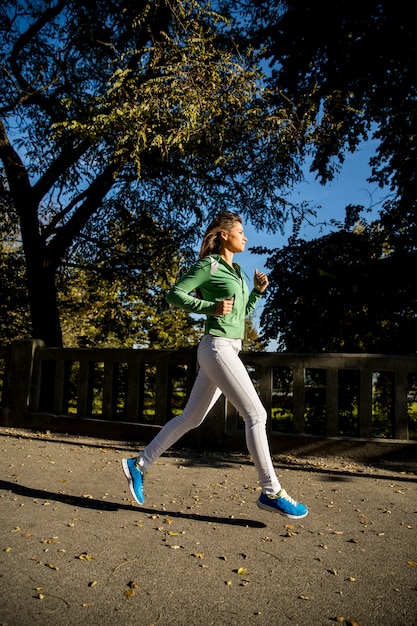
94 195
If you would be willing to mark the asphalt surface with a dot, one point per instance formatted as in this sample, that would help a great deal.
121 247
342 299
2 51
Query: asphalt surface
75 550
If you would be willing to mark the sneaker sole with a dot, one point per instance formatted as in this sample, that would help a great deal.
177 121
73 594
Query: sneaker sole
129 480
265 507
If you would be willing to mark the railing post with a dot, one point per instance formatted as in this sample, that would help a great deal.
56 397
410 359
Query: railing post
134 386
400 405
365 403
163 392
332 402
299 398
109 390
85 375
20 383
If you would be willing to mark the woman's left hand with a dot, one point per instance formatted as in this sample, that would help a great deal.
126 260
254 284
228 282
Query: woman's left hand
260 280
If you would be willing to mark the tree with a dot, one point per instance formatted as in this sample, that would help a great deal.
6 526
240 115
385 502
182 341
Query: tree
251 341
149 106
117 299
351 68
14 313
344 292
14 317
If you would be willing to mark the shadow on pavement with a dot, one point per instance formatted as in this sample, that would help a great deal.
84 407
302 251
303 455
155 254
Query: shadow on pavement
102 505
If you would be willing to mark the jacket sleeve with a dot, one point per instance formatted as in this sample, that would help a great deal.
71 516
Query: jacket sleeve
179 295
254 296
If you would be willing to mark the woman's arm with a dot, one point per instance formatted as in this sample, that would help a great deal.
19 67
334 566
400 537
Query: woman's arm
179 295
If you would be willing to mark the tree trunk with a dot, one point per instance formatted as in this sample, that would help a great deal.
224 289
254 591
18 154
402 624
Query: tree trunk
40 270
43 301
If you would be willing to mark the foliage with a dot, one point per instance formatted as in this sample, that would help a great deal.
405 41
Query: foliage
14 313
351 67
345 292
147 106
117 297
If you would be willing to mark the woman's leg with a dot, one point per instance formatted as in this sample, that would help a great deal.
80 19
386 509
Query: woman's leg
221 370
202 397
218 358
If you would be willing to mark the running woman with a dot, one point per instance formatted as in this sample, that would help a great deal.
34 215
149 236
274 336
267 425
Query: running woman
224 297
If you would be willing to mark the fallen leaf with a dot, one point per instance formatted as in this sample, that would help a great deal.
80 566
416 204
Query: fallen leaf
86 557
93 583
198 555
7 549
412 563
228 583
304 597
52 566
241 570
16 529
130 592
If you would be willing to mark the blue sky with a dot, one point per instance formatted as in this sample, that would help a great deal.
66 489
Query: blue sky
349 187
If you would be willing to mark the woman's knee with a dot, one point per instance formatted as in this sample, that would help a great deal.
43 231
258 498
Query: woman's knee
256 417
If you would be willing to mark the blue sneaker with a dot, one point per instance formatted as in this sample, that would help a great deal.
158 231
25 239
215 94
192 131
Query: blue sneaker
283 504
134 478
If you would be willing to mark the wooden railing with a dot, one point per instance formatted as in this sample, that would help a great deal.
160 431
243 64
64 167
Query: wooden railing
132 393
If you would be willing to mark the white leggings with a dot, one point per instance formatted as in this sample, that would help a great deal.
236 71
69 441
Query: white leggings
221 371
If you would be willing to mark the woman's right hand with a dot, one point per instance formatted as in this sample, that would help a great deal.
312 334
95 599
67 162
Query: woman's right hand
223 307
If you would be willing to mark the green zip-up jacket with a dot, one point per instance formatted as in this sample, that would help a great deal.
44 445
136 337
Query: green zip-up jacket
217 281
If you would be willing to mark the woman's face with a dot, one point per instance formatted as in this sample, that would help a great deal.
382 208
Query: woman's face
235 239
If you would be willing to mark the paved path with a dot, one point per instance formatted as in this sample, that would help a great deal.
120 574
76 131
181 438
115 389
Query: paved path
75 550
